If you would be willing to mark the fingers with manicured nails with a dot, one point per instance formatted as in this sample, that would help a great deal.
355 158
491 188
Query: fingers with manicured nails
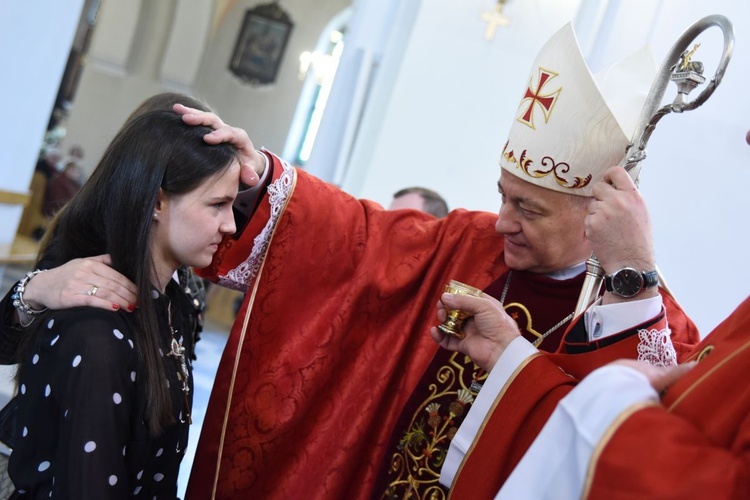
252 163
251 168
67 286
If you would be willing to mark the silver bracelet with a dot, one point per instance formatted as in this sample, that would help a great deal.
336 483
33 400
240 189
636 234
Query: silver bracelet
25 311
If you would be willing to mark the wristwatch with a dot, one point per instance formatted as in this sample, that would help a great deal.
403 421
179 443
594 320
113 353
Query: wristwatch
627 282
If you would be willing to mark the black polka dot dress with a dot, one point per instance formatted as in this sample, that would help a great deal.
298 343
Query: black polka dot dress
81 431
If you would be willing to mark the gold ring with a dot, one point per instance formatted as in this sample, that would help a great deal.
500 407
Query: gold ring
93 290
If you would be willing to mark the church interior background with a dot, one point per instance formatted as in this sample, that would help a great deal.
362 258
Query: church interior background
375 95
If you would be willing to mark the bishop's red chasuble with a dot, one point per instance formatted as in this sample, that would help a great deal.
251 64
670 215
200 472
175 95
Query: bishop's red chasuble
332 339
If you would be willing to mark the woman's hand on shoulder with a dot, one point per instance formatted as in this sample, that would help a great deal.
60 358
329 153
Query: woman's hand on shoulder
82 282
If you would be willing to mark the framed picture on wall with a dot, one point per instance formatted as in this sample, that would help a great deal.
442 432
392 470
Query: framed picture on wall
261 43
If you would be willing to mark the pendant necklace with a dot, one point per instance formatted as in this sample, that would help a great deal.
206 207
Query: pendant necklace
538 341
178 353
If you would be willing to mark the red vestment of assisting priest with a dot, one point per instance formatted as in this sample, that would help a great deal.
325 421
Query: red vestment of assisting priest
694 443
332 337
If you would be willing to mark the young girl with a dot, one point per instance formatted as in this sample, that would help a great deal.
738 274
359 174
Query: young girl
104 399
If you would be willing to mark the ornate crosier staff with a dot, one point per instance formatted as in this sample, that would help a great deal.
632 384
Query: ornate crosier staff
687 74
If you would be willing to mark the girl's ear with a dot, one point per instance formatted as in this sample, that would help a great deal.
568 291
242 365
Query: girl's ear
161 203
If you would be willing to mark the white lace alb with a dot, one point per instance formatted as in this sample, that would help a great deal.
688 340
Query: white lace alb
240 277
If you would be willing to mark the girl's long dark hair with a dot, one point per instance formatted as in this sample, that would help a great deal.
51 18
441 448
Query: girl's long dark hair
112 214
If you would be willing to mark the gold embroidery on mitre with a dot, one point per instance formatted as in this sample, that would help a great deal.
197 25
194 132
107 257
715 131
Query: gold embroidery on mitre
545 101
557 169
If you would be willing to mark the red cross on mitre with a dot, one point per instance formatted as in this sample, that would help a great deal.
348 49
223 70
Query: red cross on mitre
545 101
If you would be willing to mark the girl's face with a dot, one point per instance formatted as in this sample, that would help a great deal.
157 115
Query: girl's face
188 228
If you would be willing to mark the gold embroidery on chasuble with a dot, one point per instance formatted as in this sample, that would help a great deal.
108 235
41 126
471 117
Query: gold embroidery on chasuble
438 405
414 469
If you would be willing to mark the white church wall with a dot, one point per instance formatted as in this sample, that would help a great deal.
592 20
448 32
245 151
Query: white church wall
189 34
116 24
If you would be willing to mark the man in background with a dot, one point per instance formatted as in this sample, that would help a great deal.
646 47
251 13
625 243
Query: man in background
419 198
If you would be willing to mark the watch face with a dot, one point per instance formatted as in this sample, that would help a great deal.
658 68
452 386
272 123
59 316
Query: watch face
627 282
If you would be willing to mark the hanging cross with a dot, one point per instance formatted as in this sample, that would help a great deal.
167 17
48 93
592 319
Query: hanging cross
546 102
178 352
494 20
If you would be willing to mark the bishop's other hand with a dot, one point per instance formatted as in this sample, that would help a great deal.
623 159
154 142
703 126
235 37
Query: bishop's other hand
252 162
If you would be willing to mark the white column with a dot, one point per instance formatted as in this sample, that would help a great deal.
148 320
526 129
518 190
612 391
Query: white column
37 37
373 23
